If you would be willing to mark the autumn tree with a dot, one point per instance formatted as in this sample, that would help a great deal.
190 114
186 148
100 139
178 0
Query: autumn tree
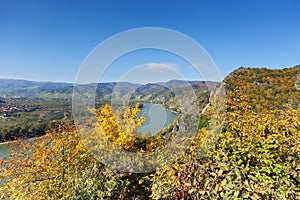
256 156
58 166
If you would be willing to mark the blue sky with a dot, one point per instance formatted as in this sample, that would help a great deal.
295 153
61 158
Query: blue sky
48 40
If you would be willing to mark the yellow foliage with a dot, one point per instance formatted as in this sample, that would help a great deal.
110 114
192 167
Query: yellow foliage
119 127
39 168
47 167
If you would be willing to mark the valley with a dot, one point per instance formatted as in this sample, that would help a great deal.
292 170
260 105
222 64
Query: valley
38 105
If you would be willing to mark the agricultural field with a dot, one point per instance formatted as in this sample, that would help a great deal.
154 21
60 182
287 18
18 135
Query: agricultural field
28 118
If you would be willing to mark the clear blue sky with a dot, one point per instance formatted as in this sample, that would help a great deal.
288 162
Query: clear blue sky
47 40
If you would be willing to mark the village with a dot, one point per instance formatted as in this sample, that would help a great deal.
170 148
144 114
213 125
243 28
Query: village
9 109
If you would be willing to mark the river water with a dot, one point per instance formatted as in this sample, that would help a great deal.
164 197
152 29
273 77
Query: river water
3 150
157 118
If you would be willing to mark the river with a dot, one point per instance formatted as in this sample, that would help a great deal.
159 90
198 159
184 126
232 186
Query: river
157 118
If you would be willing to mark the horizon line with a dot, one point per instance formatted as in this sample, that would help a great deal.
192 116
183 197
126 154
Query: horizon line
113 81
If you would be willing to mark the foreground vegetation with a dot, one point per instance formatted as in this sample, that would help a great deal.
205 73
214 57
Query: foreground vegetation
256 155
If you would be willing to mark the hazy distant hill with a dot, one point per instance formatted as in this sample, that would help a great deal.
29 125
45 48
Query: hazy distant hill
164 92
53 90
24 88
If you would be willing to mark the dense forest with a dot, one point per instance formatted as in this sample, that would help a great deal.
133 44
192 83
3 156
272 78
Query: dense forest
249 150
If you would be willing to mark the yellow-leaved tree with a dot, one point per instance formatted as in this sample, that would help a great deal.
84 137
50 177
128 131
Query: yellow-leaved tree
39 167
120 127
58 166
256 156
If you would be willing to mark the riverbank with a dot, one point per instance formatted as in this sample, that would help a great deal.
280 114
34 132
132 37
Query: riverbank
15 141
5 146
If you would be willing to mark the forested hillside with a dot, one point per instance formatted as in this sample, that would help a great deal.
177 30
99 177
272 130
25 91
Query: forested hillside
265 88
249 150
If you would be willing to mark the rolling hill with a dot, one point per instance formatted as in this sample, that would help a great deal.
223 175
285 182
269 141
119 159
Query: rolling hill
24 88
51 90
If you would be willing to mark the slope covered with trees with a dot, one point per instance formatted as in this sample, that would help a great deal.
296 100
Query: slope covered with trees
256 156
265 88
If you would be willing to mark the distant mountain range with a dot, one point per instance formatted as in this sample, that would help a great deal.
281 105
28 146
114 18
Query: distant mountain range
24 88
12 88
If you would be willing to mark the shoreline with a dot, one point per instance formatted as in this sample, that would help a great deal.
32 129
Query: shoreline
172 111
14 141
